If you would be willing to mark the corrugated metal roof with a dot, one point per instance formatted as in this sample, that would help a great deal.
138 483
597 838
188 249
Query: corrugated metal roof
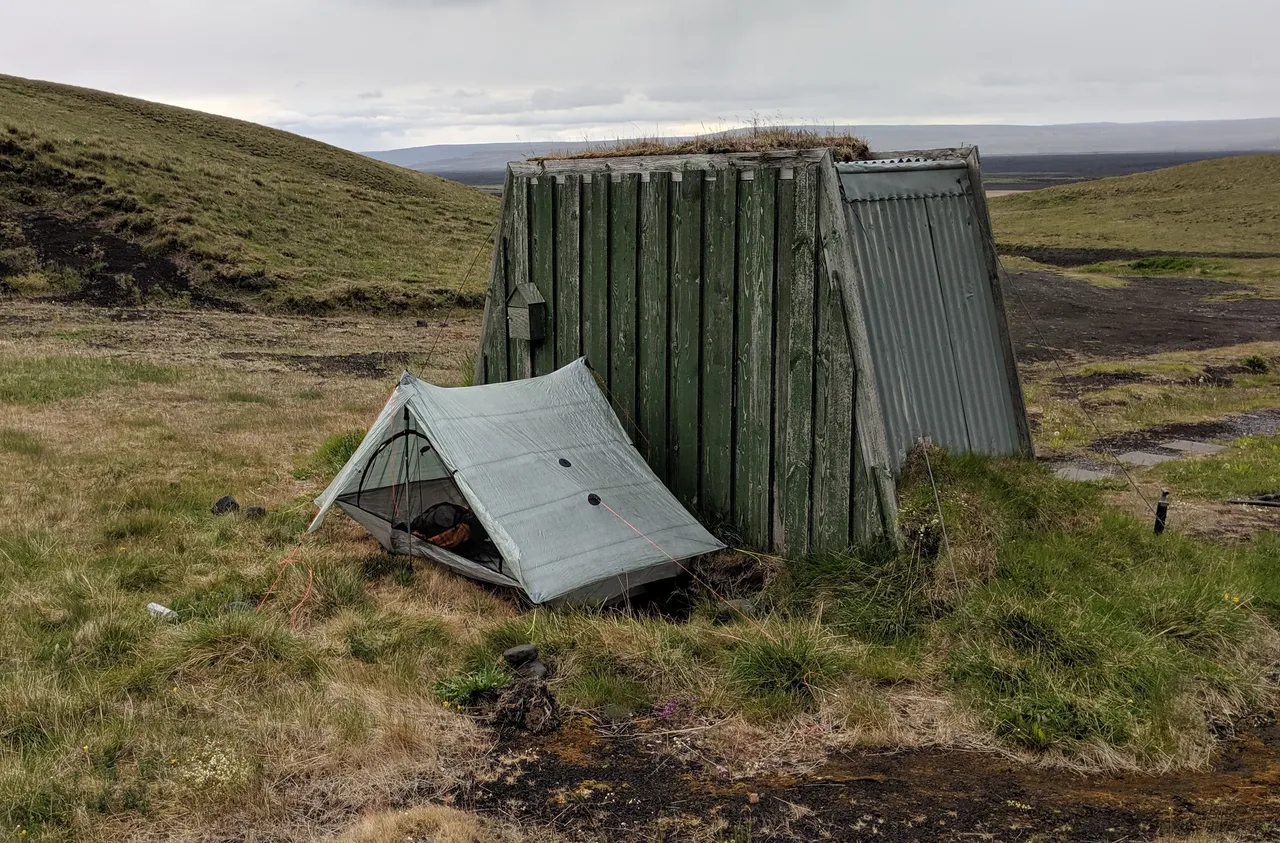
931 315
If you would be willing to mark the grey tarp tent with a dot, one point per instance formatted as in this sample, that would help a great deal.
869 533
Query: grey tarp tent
530 458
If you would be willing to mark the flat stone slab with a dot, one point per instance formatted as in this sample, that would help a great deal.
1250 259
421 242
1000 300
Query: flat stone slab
1079 474
1144 458
1189 447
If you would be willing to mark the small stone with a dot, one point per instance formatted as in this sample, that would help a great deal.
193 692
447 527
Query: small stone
753 798
520 654
422 323
255 512
532 670
236 606
225 504
1144 458
741 606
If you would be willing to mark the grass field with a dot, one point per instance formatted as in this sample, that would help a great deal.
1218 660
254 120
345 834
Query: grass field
1057 628
1223 205
244 213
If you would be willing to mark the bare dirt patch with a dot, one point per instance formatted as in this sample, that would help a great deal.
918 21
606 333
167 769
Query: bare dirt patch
378 364
633 788
1070 257
114 271
1254 423
1051 315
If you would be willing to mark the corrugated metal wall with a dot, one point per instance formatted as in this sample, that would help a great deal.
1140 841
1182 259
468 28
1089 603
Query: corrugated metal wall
699 289
930 298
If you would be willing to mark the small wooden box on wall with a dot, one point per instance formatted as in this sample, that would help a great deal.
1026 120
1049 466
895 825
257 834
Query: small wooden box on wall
526 314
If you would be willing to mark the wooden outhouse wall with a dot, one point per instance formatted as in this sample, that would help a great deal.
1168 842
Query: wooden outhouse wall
706 292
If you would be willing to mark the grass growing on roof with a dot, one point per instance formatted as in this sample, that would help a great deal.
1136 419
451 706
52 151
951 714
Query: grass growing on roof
754 138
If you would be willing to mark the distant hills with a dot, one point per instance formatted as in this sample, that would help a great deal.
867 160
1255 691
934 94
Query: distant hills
484 162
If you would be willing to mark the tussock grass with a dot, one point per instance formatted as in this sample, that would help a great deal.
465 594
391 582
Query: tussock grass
256 215
755 138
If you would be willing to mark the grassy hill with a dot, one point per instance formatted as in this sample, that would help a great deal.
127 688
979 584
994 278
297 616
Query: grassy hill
117 200
1228 205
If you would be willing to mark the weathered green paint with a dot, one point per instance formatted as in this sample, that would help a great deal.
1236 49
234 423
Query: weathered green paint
519 360
542 247
833 421
595 271
686 334
753 463
652 341
793 422
495 309
712 307
720 218
568 302
623 246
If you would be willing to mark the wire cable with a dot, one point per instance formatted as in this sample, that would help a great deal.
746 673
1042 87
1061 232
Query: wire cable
1079 402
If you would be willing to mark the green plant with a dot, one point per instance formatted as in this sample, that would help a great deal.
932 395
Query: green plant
331 456
462 689
1257 364
786 666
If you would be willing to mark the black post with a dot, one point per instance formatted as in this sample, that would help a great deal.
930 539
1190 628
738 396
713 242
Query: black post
1162 511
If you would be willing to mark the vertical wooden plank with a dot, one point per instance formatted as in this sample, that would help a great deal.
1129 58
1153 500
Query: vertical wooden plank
753 463
595 271
720 215
542 248
793 426
518 363
624 195
686 334
652 342
837 254
496 352
493 334
833 422
568 302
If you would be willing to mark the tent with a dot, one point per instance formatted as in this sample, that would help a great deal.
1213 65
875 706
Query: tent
570 506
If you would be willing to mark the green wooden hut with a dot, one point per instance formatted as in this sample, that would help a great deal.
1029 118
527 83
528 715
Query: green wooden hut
775 329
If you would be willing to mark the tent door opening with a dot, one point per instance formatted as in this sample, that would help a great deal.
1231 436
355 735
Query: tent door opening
409 492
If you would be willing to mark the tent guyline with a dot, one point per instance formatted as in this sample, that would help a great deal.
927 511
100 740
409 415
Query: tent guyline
502 483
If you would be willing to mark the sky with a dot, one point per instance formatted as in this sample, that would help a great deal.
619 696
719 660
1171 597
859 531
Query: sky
381 74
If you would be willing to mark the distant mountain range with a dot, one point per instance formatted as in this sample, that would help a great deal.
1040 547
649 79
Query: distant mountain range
479 162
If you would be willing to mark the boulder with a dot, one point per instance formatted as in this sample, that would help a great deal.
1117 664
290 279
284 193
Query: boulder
520 654
533 670
224 505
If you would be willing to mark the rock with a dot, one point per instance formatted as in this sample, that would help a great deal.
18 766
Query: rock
520 654
422 323
255 512
532 670
225 504
734 610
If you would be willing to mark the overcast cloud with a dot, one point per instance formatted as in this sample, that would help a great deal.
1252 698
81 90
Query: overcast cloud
380 74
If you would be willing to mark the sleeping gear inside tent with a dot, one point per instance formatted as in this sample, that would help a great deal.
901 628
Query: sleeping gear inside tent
532 484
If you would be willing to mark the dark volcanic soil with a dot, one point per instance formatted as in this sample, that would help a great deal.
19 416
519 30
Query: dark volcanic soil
376 364
1071 256
1149 316
115 271
620 789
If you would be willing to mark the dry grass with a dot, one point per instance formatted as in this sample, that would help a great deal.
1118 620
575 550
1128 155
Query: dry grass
114 725
755 138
